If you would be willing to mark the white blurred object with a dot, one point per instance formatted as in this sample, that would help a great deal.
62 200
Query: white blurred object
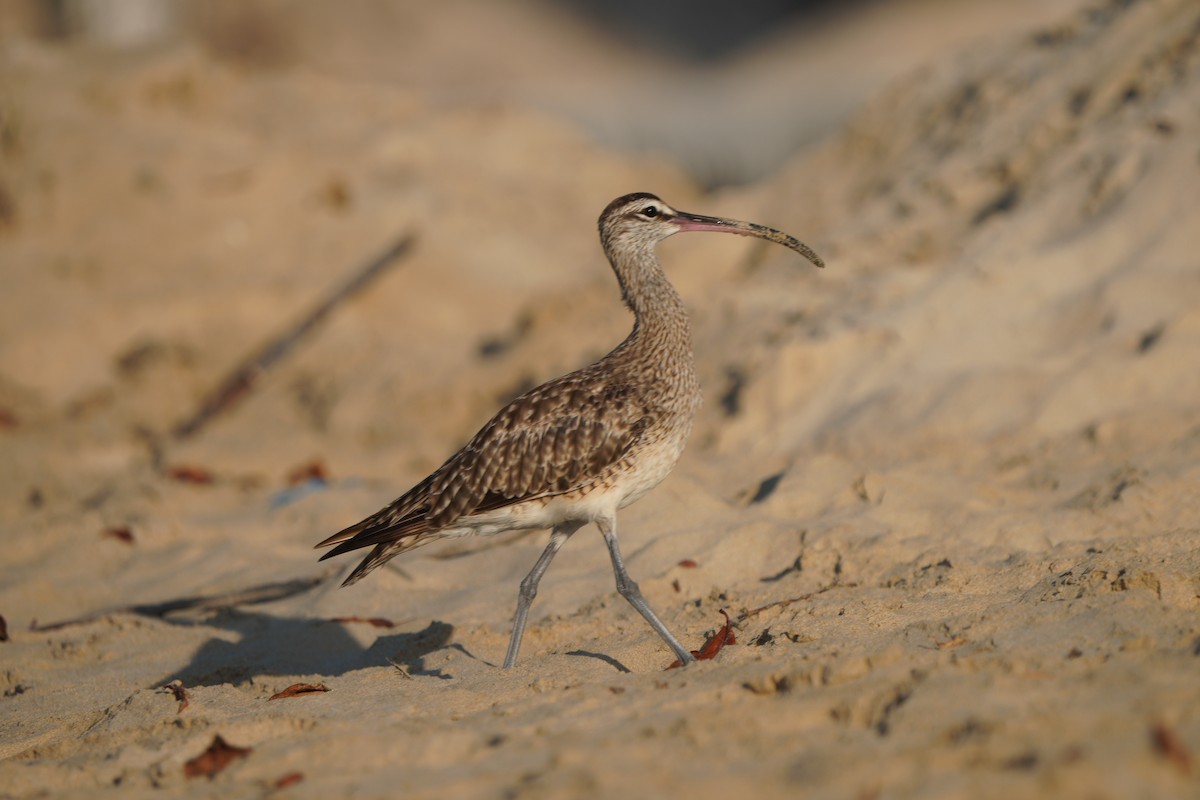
119 23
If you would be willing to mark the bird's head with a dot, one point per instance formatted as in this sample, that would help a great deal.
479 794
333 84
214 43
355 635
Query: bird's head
636 222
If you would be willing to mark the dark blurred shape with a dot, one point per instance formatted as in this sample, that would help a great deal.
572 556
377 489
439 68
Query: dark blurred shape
8 208
766 488
1150 338
699 30
251 34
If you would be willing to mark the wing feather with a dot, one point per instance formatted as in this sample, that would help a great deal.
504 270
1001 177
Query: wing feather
554 439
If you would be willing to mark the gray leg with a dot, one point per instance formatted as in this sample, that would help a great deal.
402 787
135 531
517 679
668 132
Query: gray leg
629 590
529 588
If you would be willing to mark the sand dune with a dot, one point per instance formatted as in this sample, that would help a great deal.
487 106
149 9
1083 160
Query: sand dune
946 488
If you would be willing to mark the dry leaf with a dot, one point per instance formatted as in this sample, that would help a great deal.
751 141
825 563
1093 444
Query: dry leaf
1170 746
3 630
120 533
336 194
688 563
312 471
720 639
290 779
189 474
713 646
299 689
180 694
217 757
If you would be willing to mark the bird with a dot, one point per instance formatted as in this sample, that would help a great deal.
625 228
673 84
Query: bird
579 448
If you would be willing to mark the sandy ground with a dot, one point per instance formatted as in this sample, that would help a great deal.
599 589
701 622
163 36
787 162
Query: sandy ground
948 489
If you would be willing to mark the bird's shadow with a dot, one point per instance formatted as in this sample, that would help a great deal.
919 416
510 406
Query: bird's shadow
272 645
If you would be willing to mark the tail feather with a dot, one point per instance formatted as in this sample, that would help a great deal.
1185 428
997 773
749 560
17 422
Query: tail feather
382 554
344 534
400 515
400 526
365 536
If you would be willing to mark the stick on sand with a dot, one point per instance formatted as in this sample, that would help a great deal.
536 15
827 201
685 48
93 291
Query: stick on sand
242 380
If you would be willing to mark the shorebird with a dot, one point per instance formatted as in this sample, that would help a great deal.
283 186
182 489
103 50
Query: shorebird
578 448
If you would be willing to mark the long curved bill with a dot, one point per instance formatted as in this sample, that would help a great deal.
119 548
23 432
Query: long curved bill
699 222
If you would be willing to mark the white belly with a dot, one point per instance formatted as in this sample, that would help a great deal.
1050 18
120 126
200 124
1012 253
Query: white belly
650 466
651 469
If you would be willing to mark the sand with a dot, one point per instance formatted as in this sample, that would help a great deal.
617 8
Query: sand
948 489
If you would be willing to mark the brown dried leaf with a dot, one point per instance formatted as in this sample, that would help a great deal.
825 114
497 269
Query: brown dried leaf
1168 744
185 473
180 694
3 630
378 622
290 779
720 639
119 532
336 194
713 646
312 471
688 563
217 757
299 689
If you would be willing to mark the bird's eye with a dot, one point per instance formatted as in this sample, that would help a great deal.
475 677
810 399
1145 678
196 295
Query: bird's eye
650 211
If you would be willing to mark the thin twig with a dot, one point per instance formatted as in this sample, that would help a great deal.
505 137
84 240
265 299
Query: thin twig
242 380
745 615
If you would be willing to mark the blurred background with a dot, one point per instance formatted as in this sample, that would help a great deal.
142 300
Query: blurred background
992 384
729 90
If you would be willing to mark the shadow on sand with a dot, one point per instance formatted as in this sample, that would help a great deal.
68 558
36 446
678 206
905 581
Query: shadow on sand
270 645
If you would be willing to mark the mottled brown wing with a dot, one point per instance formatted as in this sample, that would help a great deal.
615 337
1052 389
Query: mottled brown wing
551 440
